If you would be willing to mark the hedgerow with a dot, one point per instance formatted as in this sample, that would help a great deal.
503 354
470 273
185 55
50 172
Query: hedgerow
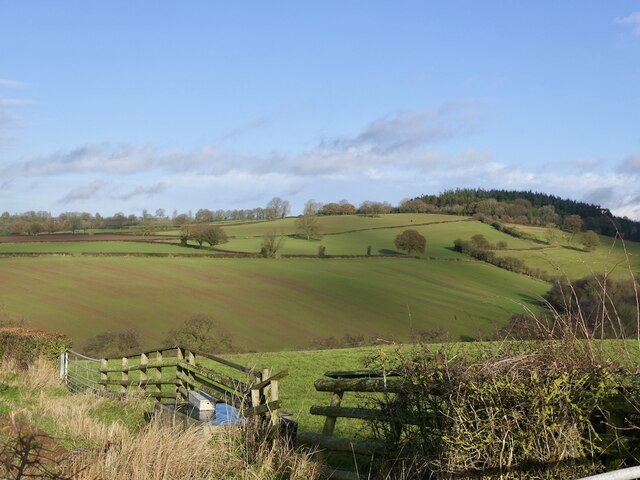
25 345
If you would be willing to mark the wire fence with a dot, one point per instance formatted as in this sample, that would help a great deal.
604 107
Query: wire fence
79 372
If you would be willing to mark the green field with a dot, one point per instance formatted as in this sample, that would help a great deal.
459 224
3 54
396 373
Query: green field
265 304
297 391
77 248
285 303
440 236
328 224
566 258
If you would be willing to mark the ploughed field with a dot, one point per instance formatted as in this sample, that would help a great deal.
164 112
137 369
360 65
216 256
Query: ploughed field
286 303
263 304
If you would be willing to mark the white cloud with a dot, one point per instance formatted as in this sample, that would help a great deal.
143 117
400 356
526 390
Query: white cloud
116 160
632 19
4 83
83 192
630 164
143 191
8 118
403 154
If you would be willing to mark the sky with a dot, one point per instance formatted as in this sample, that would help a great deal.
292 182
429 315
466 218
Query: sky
125 106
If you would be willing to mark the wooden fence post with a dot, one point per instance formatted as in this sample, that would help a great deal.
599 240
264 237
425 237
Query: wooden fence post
256 394
330 422
158 374
264 392
181 385
275 396
104 376
125 374
144 376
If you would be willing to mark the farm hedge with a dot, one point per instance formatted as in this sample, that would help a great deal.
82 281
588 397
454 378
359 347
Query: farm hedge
26 344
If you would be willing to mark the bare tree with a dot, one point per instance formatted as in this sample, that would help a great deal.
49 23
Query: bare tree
271 243
308 224
277 208
573 224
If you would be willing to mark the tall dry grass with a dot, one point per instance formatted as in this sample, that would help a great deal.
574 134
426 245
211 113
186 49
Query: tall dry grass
102 447
167 452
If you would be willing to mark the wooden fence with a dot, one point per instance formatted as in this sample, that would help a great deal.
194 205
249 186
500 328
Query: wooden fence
168 374
616 420
339 383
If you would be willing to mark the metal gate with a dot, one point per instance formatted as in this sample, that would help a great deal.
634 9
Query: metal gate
79 372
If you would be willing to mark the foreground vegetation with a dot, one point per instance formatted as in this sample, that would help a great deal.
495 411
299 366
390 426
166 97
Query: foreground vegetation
47 433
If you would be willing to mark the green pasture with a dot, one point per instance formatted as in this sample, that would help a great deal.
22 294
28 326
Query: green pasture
352 234
264 304
440 237
328 224
568 259
340 223
77 248
298 393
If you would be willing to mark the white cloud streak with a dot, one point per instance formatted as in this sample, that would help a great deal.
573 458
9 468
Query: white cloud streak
405 152
4 83
632 19
83 192
148 191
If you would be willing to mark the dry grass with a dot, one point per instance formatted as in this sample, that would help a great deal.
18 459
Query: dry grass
165 452
73 417
101 446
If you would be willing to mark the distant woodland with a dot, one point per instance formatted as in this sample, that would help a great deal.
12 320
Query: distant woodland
504 206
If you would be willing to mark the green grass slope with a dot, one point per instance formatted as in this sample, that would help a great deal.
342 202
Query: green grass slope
566 257
264 304
77 248
440 236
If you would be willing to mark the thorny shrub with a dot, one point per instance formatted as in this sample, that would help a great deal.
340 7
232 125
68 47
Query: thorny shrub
522 411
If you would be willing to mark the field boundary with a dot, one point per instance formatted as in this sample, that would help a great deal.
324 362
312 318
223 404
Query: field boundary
170 373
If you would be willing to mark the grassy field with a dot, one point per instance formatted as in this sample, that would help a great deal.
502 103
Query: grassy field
439 235
329 224
297 391
286 303
264 304
566 258
77 248
353 234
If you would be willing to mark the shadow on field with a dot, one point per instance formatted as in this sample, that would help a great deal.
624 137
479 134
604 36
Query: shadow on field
388 251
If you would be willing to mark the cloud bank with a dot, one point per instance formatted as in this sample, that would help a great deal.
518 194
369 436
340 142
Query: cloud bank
399 155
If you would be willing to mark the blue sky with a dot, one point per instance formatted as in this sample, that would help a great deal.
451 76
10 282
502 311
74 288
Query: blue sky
124 106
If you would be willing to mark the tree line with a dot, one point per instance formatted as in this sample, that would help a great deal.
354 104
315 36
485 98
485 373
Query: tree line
504 206
526 208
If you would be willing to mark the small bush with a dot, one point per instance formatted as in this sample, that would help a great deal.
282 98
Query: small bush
112 344
201 332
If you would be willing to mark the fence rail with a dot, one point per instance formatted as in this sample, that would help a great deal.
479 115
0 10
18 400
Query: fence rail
169 373
339 384
617 433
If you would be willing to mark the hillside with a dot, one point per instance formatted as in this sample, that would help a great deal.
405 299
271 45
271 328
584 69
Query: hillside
275 304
